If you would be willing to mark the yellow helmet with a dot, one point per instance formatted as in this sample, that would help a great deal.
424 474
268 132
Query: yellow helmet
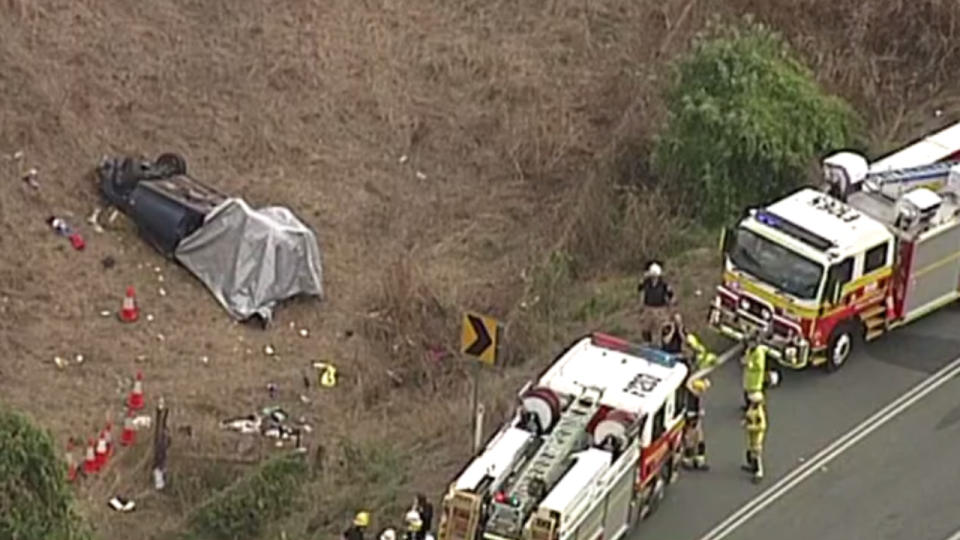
414 523
700 386
362 519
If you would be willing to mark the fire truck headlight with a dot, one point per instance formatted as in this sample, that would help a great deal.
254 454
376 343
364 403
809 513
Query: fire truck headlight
790 353
744 305
766 315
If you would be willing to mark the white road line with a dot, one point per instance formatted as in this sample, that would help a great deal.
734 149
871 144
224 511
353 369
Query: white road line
955 536
852 437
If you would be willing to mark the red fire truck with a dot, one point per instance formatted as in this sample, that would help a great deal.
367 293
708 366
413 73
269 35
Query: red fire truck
879 248
593 445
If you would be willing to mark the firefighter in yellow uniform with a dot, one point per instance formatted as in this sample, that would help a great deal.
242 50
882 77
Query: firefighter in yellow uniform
754 369
703 357
755 423
694 443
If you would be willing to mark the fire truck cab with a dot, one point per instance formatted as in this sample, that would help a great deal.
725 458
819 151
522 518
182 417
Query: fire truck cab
879 248
591 449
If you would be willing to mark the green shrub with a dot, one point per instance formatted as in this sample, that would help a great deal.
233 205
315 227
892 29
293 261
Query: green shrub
35 499
746 121
243 510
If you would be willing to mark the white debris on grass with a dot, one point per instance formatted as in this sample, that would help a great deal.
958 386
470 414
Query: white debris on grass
269 350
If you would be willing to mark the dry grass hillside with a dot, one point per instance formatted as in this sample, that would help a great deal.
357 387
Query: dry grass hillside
442 151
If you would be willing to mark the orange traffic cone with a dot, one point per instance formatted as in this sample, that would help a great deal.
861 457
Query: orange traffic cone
129 312
71 463
135 401
90 460
101 454
129 435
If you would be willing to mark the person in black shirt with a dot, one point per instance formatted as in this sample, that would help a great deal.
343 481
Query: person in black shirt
425 509
655 295
360 524
672 336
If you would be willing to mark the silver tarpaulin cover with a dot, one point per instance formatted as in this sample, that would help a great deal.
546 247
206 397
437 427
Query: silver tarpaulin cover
252 259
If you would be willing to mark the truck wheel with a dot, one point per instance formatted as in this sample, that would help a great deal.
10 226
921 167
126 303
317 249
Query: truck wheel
841 346
171 164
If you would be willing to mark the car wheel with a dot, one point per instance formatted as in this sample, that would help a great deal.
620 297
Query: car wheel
171 164
840 347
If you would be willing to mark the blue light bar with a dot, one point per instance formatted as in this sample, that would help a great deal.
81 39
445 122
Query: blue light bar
791 229
649 354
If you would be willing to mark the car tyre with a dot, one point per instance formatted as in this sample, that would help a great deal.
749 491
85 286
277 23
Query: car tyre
171 164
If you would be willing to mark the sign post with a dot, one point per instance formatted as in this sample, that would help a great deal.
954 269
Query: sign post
479 338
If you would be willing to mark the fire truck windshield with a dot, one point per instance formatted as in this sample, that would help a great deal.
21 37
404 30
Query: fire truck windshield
776 265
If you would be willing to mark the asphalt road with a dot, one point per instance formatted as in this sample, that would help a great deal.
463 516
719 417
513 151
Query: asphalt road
900 482
809 411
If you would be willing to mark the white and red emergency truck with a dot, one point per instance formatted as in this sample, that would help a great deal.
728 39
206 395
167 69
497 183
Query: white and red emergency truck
879 249
594 443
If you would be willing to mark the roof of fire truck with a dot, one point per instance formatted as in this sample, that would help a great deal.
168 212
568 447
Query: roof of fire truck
835 223
634 379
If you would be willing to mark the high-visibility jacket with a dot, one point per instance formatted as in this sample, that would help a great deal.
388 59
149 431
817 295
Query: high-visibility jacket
755 368
704 358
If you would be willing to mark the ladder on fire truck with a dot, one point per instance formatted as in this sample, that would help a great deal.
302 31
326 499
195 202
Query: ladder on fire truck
565 436
545 468
908 177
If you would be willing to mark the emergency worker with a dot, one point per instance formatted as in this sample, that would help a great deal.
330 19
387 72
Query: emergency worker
360 524
413 525
694 444
672 336
388 534
655 295
425 509
703 358
754 368
755 423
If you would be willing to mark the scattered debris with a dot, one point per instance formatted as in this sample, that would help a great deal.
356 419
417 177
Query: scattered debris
421 176
161 291
30 178
78 358
108 262
156 269
160 278
93 220
143 421
59 362
113 216
106 313
304 399
271 423
161 337
61 227
149 317
304 332
403 159
122 505
269 350
205 360
272 390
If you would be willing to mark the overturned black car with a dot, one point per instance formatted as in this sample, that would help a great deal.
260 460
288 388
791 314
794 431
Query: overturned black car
250 259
